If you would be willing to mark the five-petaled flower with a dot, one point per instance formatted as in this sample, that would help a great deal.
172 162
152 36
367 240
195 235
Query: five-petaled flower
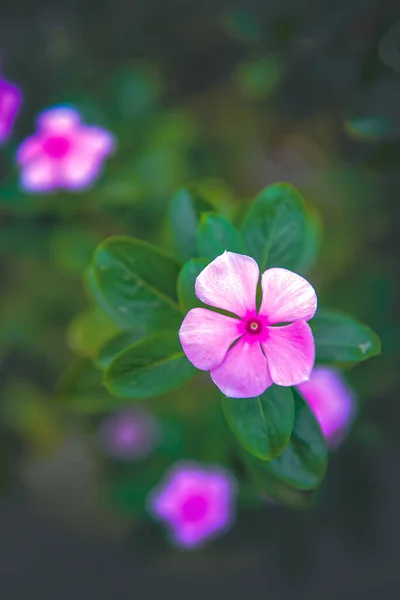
10 102
195 502
64 153
130 434
246 354
332 401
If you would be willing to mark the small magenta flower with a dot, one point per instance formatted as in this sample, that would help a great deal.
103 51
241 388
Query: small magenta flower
245 355
196 503
10 102
332 401
64 153
129 434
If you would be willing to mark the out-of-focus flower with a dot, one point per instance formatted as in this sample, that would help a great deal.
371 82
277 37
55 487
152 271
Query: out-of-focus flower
196 503
63 153
10 102
262 353
130 434
332 401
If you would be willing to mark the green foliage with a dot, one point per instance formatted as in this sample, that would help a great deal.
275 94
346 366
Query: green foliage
341 339
114 346
215 234
186 280
276 229
148 368
81 390
303 463
263 425
184 213
137 284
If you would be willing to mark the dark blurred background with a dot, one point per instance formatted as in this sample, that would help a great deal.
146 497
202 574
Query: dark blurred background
232 96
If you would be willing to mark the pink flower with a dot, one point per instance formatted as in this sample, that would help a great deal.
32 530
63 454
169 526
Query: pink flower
10 102
64 153
332 401
196 503
130 434
246 354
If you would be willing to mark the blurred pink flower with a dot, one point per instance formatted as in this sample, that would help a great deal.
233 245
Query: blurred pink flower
130 434
332 401
64 153
10 102
196 503
246 355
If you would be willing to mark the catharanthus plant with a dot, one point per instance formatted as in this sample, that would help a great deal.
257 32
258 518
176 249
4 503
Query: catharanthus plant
332 401
130 434
63 153
10 102
248 352
196 503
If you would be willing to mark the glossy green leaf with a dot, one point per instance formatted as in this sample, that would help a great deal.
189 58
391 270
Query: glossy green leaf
263 425
304 461
186 280
137 284
340 338
216 234
272 488
184 213
276 228
149 368
115 346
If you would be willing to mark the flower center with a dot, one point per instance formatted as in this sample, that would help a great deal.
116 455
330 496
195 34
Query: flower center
253 326
194 508
56 146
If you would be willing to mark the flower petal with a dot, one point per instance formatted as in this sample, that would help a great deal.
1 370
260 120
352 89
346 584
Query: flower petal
229 282
97 141
79 169
206 337
332 401
244 373
290 353
58 120
286 297
29 149
38 175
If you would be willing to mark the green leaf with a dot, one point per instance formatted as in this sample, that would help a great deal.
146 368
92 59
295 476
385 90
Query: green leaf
216 234
340 338
186 280
304 461
149 368
81 390
184 213
274 489
263 425
276 228
115 346
137 284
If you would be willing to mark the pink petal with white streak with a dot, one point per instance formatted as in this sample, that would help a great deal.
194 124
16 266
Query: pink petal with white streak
286 297
206 337
244 373
290 353
229 282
